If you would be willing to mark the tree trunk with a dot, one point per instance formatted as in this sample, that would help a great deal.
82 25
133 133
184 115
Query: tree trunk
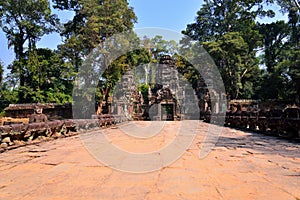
298 92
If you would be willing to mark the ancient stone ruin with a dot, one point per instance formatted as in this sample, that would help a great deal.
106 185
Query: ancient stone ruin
52 110
170 97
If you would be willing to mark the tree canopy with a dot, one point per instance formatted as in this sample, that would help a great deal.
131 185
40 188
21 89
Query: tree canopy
44 75
256 60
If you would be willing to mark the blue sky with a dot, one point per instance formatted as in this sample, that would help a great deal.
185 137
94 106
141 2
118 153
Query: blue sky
170 14
167 14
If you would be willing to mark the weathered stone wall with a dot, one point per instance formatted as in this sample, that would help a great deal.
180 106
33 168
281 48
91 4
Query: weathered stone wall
53 111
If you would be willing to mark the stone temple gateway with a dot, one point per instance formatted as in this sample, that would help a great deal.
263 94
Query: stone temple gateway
170 98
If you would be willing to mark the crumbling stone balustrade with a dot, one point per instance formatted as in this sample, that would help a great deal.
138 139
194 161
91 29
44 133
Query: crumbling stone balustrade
14 135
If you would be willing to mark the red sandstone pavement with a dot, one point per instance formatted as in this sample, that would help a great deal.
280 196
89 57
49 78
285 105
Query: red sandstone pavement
240 166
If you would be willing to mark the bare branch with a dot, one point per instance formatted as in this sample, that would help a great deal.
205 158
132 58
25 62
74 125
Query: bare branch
297 4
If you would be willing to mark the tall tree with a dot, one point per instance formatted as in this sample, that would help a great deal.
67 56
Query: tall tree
228 31
233 59
218 17
294 55
274 83
282 54
24 22
273 42
1 71
93 22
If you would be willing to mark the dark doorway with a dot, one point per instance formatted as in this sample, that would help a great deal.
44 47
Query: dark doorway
167 112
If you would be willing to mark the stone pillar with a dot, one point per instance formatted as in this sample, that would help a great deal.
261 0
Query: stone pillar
159 112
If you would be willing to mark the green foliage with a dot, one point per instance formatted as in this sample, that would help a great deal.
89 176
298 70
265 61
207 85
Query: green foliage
187 70
144 88
46 77
43 75
231 54
24 22
227 29
93 23
229 32
273 41
7 95
281 56
215 18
